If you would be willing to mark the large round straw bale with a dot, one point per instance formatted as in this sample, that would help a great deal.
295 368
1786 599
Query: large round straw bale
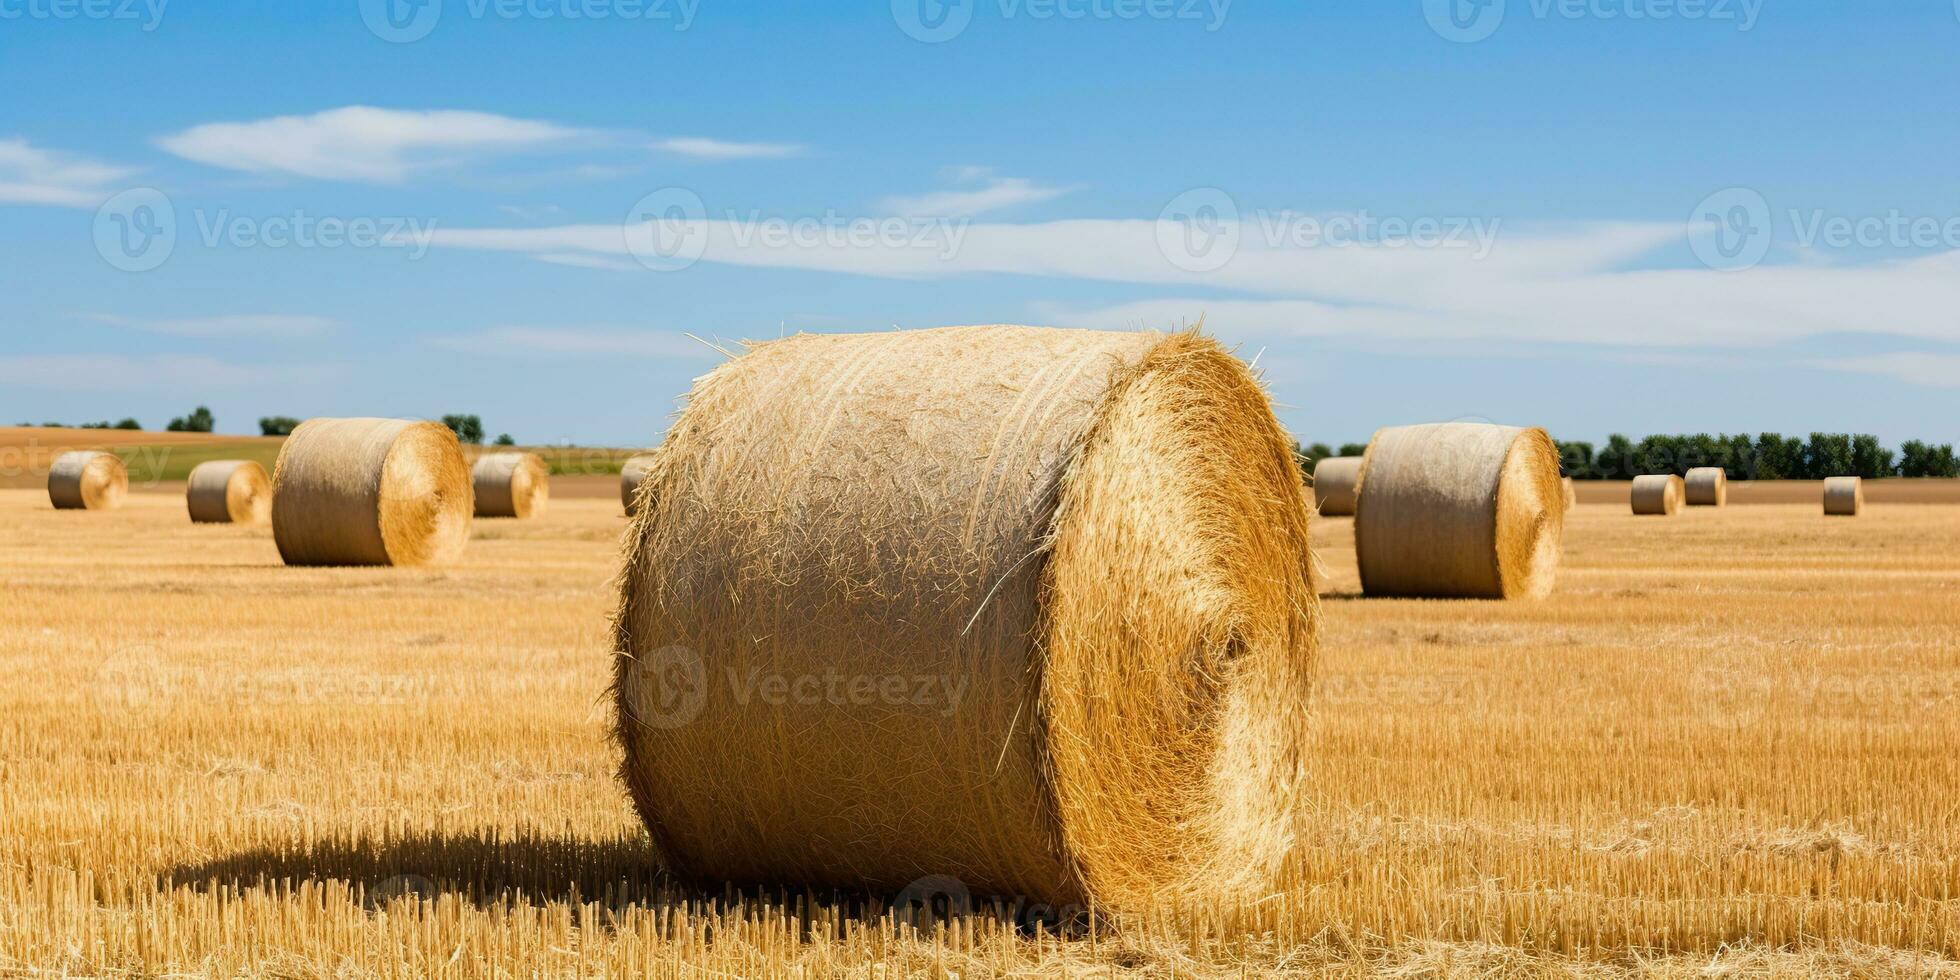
371 492
87 480
1029 608
229 491
1707 486
510 485
1336 485
1460 509
1657 493
631 474
1844 496
1571 492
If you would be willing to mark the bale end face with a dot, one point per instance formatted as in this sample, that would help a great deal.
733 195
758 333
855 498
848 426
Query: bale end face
87 480
1656 494
229 491
371 492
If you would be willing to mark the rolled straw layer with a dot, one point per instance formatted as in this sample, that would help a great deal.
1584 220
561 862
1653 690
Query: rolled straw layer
1657 494
630 476
1460 509
1046 596
87 480
371 492
229 491
510 485
1336 485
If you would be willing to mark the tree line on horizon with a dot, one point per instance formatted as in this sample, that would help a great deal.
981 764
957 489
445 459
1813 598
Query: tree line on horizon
1764 456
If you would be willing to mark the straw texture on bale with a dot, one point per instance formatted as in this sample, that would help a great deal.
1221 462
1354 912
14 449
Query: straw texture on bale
87 480
371 492
1707 486
510 485
1037 606
631 474
1460 509
1657 493
1571 492
1336 485
1844 496
229 491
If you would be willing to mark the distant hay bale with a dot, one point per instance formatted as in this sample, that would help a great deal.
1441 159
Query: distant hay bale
87 480
630 476
510 485
1657 494
1336 484
1844 496
1706 486
1460 509
229 491
1036 607
371 492
1571 492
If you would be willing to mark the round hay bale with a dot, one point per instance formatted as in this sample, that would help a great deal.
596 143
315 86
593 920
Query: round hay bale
1571 492
1336 485
1706 486
371 492
1844 496
84 479
510 485
631 474
229 491
1657 493
1031 609
1460 509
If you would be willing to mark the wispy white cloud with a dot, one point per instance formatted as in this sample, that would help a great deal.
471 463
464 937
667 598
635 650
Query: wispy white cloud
362 143
583 260
31 175
578 342
983 192
1930 370
261 325
704 148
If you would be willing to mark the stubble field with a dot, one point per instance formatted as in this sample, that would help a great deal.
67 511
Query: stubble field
1730 742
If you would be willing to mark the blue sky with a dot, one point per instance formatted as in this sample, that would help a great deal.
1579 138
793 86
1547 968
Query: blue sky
1593 215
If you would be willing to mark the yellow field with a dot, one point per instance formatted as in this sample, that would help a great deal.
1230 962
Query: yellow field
1729 744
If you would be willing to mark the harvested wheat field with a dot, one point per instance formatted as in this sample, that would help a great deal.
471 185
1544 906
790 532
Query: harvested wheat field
1726 744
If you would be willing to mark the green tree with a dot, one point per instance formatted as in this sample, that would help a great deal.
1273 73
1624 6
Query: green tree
1354 449
504 439
277 425
1575 459
1869 459
1615 459
1315 453
468 428
199 420
1827 454
1922 460
1778 458
130 424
